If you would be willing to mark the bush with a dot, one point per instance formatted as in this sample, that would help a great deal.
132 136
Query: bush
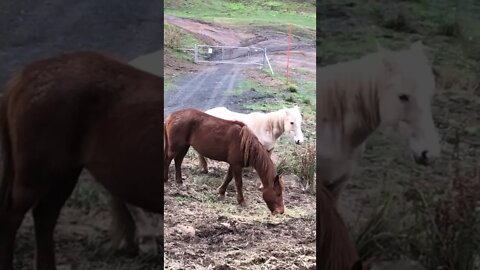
172 37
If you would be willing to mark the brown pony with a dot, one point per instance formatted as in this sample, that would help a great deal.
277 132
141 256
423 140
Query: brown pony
335 248
70 112
222 140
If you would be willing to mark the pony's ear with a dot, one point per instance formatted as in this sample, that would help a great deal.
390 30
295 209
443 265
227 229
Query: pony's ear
277 182
417 45
389 63
426 51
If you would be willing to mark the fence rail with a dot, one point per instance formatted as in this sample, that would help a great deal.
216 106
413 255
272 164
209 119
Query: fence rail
220 54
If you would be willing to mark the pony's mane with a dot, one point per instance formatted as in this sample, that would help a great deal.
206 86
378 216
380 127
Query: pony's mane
336 250
272 118
351 87
349 92
254 154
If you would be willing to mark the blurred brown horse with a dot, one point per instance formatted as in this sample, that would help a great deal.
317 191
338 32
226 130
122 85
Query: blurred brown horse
222 140
335 248
70 112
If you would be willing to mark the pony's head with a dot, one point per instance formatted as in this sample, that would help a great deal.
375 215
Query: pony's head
292 123
273 196
405 102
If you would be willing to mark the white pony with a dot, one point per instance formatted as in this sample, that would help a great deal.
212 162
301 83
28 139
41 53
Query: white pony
386 88
268 127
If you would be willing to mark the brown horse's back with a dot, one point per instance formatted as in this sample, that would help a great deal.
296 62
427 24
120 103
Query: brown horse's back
208 135
88 110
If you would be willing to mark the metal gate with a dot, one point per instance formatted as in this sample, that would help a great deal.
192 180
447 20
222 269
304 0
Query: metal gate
231 55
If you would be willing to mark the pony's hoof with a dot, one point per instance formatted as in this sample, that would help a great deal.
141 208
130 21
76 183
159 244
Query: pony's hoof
221 197
243 204
205 171
149 246
179 182
181 186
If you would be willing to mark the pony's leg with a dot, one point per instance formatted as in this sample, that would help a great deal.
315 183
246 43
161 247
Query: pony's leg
127 221
146 234
122 226
178 165
203 163
23 196
45 215
228 178
237 174
166 166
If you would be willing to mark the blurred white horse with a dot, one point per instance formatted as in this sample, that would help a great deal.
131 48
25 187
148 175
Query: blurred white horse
386 88
268 127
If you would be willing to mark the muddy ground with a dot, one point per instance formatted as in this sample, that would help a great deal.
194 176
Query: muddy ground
203 232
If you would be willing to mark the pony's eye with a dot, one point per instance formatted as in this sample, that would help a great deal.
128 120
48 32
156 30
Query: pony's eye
403 98
291 123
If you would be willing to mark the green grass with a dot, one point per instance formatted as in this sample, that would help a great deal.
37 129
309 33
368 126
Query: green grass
176 39
305 96
168 85
89 194
259 12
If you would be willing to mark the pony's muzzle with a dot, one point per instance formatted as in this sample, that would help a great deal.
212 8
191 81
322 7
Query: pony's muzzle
298 140
424 158
278 211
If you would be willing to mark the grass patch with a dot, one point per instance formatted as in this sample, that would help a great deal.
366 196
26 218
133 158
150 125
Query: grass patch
168 85
300 14
88 194
176 39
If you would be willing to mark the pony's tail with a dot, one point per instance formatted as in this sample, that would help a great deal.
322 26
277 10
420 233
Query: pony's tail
7 170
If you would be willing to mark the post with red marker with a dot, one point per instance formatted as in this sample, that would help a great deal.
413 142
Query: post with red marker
288 50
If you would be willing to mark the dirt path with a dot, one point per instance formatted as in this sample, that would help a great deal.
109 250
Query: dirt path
212 86
216 34
203 90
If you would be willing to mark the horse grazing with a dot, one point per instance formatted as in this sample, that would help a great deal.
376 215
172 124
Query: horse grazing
268 127
222 140
386 88
79 110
